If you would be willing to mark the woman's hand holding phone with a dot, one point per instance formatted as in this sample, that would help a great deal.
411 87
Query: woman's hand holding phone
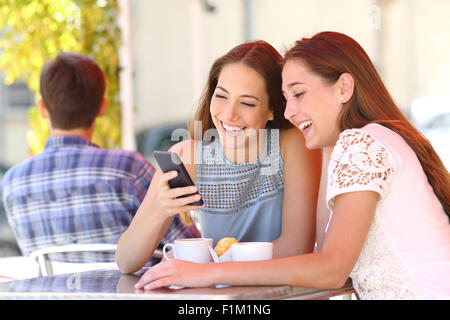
175 200
176 191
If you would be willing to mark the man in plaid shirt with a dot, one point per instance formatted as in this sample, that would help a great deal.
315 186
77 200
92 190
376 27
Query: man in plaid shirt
74 191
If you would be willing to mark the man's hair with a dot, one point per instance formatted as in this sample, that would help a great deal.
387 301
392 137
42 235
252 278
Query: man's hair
72 87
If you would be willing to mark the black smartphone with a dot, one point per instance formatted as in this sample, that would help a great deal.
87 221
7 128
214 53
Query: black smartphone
170 161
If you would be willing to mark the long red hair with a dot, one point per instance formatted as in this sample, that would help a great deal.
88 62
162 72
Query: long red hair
330 54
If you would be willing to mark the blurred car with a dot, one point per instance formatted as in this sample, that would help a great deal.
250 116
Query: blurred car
437 130
431 115
8 243
160 137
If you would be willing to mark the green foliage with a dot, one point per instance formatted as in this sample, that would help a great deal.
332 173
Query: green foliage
35 31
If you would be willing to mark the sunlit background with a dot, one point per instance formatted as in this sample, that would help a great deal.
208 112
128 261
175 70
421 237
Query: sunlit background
168 47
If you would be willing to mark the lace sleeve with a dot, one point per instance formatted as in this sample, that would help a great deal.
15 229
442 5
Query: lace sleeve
359 162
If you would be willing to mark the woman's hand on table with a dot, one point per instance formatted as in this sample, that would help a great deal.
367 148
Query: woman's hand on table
176 272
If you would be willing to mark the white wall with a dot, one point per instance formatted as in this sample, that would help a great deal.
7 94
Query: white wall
176 41
432 28
174 44
282 22
160 42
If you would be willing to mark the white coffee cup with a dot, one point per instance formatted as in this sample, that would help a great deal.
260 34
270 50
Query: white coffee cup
251 251
190 249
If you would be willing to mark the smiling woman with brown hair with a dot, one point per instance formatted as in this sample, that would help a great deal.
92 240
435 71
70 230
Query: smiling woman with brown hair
257 179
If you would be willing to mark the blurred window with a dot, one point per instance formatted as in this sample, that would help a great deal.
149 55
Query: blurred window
15 96
18 95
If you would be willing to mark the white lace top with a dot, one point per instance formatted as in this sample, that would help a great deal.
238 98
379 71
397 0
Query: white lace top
406 254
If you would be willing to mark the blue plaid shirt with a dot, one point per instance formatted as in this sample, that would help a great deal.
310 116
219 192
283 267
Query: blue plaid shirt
76 192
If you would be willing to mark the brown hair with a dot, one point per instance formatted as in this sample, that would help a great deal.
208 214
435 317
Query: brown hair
329 54
72 88
265 60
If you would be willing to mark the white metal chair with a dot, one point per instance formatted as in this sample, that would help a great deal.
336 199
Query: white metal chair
49 267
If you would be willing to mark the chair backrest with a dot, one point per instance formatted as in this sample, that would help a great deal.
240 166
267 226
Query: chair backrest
48 267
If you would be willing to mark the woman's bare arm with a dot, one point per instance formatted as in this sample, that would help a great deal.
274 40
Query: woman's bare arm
301 185
153 219
328 268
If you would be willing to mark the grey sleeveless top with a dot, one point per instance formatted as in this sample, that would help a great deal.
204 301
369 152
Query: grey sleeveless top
243 201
